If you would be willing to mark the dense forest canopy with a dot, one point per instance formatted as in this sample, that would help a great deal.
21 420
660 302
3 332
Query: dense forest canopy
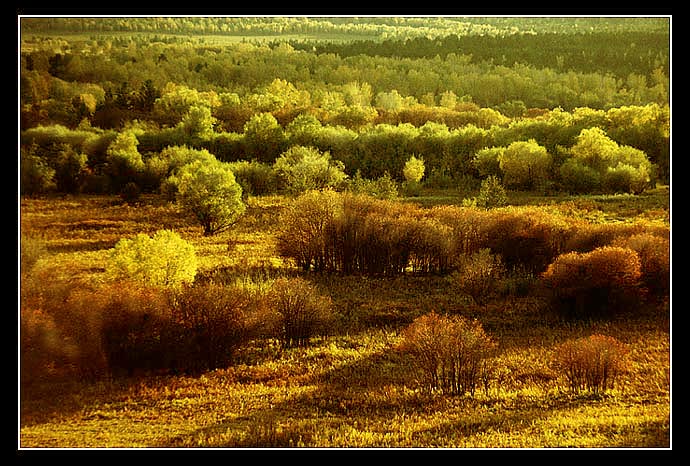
369 91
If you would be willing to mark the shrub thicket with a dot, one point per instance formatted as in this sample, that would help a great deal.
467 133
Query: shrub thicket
124 330
600 283
302 311
332 232
655 259
478 274
591 363
451 352
211 322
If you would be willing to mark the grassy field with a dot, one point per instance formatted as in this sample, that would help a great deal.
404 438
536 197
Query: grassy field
353 387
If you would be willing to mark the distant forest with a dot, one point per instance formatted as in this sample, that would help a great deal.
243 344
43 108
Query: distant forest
369 91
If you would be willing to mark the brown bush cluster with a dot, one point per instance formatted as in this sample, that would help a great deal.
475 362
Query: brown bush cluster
451 352
589 270
121 330
591 363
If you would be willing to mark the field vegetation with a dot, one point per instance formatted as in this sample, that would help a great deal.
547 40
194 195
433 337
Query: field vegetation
342 232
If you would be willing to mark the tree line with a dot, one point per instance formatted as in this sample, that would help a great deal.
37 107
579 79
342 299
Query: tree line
368 114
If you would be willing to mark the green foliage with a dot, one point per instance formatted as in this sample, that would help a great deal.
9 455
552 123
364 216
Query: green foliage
525 164
254 177
487 161
383 187
301 169
70 169
124 160
35 175
577 177
601 162
264 138
592 363
165 259
210 193
492 193
414 169
198 122
451 352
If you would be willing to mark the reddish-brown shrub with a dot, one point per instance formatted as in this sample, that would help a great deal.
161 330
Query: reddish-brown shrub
209 323
478 274
599 283
451 352
592 363
302 311
655 258
588 237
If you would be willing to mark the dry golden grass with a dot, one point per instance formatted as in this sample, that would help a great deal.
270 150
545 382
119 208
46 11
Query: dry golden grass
352 388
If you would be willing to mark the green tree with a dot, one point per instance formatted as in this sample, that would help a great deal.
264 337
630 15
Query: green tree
198 122
492 193
618 168
36 175
525 164
303 168
165 259
414 169
210 193
264 139
413 172
124 160
487 161
69 170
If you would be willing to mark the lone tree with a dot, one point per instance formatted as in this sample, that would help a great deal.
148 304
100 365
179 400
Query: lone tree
210 192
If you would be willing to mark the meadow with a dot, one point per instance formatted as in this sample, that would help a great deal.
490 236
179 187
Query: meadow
373 232
352 387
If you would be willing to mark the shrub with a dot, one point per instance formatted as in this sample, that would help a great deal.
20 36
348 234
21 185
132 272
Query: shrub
654 252
591 363
524 237
478 274
36 174
136 333
303 312
307 224
256 178
60 330
164 259
599 283
130 193
125 163
450 352
211 322
577 177
486 161
625 178
413 172
414 169
589 237
383 187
